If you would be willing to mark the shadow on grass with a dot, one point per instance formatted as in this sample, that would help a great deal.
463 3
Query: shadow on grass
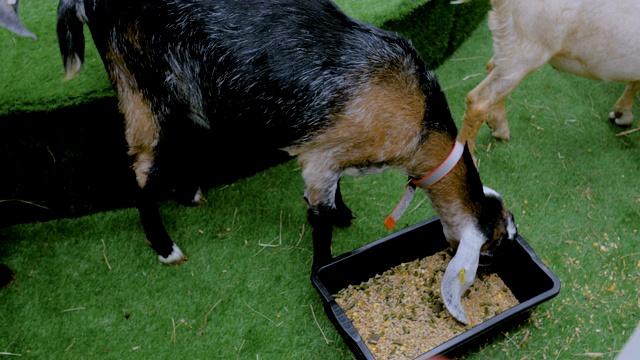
72 162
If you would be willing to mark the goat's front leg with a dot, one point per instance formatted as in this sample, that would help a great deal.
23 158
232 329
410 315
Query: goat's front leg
344 215
321 217
622 114
321 194
497 121
480 109
486 102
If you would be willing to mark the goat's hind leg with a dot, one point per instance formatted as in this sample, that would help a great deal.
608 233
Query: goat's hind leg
180 159
168 252
622 114
142 134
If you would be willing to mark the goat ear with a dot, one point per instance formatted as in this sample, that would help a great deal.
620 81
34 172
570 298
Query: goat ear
474 184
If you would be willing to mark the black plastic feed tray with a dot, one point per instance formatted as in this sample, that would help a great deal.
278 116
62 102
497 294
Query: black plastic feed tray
529 280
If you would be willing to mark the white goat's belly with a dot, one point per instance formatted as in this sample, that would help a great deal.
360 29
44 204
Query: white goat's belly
596 39
600 68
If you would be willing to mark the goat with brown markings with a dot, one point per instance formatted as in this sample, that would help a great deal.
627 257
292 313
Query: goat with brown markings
594 39
343 96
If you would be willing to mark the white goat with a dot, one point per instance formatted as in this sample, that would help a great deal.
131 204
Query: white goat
595 39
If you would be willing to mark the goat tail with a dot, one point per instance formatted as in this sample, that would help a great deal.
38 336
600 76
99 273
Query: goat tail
71 36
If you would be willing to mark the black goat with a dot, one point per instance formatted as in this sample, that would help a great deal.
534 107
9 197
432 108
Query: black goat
343 96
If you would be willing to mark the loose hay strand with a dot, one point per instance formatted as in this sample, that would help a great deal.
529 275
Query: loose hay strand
264 316
206 317
70 345
318 325
104 254
625 133
240 349
174 335
26 202
74 309
271 244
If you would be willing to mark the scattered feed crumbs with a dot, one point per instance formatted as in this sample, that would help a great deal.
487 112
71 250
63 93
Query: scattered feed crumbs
400 313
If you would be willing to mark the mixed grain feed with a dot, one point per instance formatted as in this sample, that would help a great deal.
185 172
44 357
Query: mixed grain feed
400 313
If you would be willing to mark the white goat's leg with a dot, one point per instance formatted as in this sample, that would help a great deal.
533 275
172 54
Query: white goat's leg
486 102
622 114
497 121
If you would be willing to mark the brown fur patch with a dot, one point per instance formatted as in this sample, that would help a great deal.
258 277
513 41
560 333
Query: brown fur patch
380 124
142 129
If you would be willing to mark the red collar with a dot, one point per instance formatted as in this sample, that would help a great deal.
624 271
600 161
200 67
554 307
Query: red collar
426 182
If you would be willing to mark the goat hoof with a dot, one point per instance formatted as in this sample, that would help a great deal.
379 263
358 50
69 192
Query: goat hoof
621 119
6 275
501 134
344 219
192 200
175 258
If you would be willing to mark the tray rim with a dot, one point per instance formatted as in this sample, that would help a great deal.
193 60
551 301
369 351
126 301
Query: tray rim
358 345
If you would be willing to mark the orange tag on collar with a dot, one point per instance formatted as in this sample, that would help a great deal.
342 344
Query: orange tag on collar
402 206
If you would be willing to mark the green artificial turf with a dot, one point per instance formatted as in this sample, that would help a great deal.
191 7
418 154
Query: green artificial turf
89 287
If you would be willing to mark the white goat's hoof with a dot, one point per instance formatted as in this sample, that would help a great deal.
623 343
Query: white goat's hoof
501 134
621 119
175 258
